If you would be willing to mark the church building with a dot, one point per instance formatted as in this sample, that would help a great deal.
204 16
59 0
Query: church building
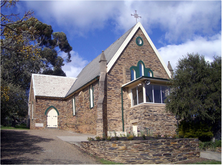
122 90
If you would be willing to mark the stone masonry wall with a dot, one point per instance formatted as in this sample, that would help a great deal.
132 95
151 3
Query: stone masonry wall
41 105
151 116
83 122
85 119
120 74
144 151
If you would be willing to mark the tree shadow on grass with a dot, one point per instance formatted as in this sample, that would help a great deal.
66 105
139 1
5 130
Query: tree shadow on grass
16 143
25 160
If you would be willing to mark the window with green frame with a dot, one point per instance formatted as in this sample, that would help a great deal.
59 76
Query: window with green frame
140 70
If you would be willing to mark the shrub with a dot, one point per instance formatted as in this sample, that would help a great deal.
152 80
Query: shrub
209 145
90 139
130 137
218 143
108 138
195 129
144 136
98 138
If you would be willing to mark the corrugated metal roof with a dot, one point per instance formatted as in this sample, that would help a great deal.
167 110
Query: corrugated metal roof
51 86
92 70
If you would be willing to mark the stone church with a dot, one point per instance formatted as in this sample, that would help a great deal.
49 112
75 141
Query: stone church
122 90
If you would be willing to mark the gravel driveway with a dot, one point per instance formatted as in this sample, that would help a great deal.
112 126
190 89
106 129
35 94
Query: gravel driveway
40 147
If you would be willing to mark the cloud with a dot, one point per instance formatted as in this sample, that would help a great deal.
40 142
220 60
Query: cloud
180 20
208 47
78 16
73 68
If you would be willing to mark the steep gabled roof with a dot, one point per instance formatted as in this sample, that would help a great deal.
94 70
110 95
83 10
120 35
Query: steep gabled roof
91 71
112 53
51 86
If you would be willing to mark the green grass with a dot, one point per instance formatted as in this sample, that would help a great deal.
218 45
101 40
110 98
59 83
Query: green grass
202 162
103 161
209 145
207 162
22 126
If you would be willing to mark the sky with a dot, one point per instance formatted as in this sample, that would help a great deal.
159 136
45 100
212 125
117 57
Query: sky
175 27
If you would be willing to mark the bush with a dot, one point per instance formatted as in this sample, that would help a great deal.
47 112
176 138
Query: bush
130 137
209 145
98 138
21 126
108 138
218 143
90 139
195 130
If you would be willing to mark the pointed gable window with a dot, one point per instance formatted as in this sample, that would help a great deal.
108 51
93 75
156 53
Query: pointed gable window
133 74
141 69
149 74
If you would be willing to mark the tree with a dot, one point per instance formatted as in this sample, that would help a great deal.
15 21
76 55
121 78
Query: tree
27 46
196 90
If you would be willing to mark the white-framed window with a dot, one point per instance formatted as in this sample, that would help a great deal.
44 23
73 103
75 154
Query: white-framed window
137 95
91 96
149 74
133 74
141 69
74 106
149 93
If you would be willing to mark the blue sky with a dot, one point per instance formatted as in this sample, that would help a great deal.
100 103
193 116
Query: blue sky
175 27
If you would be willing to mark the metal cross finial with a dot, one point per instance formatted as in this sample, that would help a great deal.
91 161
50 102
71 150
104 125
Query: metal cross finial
136 15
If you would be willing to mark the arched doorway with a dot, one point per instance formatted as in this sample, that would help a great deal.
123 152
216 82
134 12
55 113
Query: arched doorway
52 118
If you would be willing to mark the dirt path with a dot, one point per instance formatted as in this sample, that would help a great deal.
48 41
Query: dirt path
40 147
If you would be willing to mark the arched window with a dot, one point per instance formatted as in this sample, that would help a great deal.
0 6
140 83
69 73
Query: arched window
133 74
141 69
149 74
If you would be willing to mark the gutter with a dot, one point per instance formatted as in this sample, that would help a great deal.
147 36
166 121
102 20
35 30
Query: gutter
83 86
143 78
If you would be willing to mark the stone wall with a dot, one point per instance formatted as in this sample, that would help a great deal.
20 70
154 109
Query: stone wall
120 74
144 151
150 116
84 121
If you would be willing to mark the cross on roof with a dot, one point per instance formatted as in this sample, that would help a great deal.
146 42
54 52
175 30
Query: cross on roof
136 15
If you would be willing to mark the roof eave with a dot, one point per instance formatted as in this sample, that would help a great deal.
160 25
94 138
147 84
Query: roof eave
144 78
82 87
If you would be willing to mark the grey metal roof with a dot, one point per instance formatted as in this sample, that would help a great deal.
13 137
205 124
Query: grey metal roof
92 70
51 86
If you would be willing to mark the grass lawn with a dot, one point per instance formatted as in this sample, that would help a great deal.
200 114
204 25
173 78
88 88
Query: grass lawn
207 162
22 126
107 162
103 161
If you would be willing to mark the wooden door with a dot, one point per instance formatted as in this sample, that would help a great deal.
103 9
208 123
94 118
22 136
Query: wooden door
52 119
